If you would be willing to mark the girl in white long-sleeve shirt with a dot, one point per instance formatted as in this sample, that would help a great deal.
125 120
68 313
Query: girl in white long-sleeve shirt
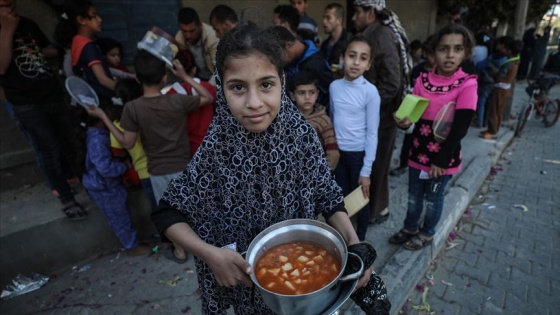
354 111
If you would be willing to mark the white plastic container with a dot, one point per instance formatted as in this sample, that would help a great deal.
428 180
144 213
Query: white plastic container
160 44
81 91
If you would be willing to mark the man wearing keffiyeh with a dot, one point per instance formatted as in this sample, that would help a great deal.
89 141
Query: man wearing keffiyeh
389 73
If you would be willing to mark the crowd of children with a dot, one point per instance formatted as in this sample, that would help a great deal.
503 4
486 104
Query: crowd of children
149 130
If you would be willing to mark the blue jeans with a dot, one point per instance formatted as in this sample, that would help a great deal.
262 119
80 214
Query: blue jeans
428 190
49 126
484 91
347 174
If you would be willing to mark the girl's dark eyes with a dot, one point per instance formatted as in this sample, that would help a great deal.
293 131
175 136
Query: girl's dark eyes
237 88
458 48
267 85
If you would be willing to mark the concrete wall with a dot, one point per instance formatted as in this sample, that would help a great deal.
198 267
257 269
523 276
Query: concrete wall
417 16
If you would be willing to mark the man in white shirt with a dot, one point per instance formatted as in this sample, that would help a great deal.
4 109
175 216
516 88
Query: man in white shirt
200 39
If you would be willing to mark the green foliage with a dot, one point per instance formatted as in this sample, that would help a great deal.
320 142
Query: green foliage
481 14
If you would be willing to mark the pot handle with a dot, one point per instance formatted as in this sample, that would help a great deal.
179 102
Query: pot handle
357 274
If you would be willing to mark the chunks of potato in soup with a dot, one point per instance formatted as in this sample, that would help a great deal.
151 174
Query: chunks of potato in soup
299 268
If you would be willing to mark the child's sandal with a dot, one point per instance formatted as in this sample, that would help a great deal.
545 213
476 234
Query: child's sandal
75 211
418 242
402 236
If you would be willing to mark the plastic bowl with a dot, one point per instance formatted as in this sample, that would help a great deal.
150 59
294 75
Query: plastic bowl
160 44
81 91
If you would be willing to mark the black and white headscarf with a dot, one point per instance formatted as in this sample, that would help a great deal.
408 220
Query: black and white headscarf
240 182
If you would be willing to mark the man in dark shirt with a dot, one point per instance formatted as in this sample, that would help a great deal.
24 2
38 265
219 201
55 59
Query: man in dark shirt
286 16
304 55
333 21
33 89
387 73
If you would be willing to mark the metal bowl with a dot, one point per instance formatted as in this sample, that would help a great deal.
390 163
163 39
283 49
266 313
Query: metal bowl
298 230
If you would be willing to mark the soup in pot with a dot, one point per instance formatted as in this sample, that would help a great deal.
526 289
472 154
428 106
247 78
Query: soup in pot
296 268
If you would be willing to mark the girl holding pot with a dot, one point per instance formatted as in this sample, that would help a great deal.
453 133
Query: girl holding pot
260 164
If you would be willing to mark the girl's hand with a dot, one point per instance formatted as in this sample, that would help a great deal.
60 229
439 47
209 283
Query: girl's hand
402 123
229 268
365 182
364 279
436 171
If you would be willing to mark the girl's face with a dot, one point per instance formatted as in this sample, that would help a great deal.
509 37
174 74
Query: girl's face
114 57
449 53
92 21
357 60
253 90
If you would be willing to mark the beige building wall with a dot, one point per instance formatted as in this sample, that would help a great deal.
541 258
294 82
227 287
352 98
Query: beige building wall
417 16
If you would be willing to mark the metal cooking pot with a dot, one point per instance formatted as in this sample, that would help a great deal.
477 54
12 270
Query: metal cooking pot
305 230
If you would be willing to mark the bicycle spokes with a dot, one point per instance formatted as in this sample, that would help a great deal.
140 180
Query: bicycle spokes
550 112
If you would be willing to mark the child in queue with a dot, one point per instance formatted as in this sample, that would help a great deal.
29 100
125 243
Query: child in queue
199 120
104 184
354 109
82 22
127 90
261 163
503 78
432 163
112 50
159 120
305 96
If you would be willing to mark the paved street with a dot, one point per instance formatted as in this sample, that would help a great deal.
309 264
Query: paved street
504 255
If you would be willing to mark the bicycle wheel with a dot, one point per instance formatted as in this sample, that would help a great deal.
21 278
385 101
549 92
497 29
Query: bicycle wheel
551 113
522 119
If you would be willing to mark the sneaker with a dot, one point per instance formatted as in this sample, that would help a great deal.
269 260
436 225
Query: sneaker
398 171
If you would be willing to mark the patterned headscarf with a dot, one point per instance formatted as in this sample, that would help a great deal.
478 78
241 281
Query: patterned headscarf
401 39
239 182
377 4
